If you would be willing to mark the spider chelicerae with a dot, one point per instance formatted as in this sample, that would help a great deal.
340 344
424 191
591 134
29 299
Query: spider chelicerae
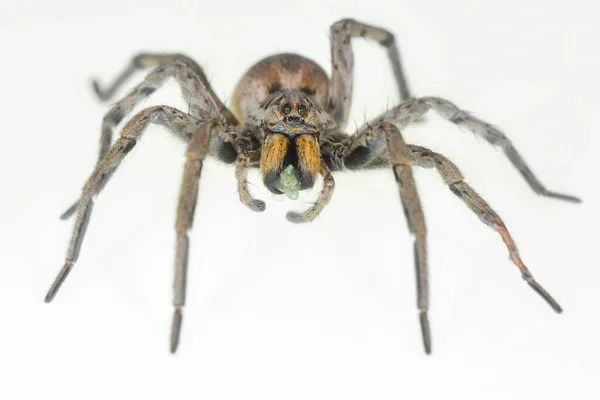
288 118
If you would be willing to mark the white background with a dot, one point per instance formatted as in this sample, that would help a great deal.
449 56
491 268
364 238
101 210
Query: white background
325 310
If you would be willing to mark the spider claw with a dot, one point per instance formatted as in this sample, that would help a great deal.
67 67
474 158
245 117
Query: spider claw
295 217
257 205
560 196
425 331
176 329
70 211
541 291
58 281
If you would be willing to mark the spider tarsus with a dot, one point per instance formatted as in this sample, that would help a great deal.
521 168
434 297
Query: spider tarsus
541 291
257 205
295 217
560 196
70 211
103 95
60 278
421 119
425 331
175 329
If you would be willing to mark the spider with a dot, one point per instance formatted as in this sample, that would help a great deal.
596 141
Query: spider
287 118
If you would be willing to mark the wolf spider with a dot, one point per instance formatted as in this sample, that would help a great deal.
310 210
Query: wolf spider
287 118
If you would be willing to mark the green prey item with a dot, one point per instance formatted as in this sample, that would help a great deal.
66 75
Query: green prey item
288 183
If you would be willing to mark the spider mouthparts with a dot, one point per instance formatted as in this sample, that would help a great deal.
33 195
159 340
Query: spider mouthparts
288 183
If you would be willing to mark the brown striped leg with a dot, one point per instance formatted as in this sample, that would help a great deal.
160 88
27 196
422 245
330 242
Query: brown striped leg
368 149
340 89
400 159
203 103
455 181
188 196
93 186
179 123
411 110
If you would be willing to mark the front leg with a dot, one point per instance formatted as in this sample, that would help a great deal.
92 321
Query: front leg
202 102
381 145
452 177
400 160
340 91
198 134
188 196
179 123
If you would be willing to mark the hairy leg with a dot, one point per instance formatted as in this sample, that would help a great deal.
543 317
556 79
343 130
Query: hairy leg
203 104
340 90
152 60
179 123
452 176
411 110
188 196
361 151
400 161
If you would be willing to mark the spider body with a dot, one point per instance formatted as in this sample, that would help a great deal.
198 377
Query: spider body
288 118
285 95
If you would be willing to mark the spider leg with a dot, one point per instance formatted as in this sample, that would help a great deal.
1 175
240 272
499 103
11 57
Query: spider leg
322 200
454 179
183 125
152 60
408 111
363 151
340 89
196 152
400 160
203 103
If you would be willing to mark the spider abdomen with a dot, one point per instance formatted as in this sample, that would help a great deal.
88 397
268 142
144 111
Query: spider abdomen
274 73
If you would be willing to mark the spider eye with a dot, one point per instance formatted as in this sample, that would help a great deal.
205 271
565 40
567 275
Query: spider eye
286 109
302 109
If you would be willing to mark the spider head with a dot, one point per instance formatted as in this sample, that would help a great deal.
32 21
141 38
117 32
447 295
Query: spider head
292 122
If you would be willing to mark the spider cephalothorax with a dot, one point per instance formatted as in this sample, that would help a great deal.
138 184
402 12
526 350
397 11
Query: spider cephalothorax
287 117
285 96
